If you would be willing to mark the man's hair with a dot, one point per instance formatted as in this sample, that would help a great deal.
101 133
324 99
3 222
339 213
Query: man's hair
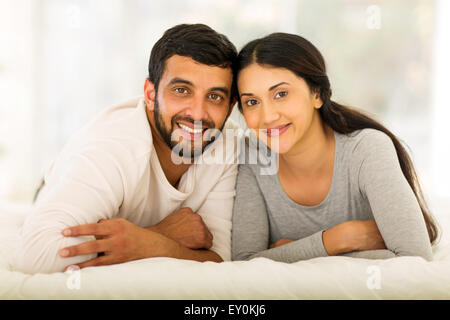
196 41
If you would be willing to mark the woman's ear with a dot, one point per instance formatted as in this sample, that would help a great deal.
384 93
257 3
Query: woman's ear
317 99
149 94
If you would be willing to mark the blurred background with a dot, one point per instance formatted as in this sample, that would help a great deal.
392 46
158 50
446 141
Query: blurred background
62 61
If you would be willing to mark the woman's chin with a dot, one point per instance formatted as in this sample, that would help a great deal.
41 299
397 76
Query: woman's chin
280 147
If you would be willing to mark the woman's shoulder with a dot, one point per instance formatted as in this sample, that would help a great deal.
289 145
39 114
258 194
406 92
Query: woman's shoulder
368 146
368 135
368 141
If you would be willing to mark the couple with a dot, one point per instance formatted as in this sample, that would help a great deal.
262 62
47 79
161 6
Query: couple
345 184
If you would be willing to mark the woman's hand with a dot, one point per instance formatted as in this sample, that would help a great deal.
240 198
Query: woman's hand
280 243
355 235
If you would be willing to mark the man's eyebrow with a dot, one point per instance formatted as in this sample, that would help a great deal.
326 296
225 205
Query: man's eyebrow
224 90
189 83
277 85
180 81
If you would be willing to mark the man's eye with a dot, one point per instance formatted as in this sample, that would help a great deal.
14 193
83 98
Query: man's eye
251 102
281 94
181 90
215 97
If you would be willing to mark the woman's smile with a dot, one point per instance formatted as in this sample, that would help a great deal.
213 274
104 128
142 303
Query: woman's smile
277 131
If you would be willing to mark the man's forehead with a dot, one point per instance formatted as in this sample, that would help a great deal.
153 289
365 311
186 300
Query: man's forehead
186 68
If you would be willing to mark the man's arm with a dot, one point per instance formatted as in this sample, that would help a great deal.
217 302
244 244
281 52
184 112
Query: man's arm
185 227
121 241
176 250
83 188
217 212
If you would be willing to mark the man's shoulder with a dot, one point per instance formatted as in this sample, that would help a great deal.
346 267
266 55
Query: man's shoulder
124 124
120 133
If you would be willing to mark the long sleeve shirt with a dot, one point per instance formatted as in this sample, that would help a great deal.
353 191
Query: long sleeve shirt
367 183
110 169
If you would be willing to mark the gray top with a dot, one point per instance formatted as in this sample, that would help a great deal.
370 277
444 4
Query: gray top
367 184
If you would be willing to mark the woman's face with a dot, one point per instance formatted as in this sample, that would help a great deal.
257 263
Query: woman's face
275 98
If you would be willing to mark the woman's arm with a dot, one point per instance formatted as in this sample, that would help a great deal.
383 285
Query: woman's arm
250 231
394 206
354 235
356 238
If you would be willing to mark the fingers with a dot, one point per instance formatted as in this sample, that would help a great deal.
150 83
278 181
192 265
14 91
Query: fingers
94 229
89 247
206 234
209 241
100 261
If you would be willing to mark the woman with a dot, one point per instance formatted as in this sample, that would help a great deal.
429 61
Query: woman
345 184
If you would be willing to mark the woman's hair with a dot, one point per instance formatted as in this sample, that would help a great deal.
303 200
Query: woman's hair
300 56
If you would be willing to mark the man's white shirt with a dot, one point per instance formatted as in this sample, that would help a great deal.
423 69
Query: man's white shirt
110 169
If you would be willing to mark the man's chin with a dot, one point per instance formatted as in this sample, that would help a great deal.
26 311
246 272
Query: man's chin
187 154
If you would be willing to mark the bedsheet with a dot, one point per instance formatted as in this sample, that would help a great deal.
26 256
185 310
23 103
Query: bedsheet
260 278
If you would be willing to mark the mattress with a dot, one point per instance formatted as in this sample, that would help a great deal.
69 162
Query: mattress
260 278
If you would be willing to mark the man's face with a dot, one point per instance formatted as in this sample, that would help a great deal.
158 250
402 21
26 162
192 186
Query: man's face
190 99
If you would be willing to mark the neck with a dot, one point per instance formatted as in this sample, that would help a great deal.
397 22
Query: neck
172 171
312 155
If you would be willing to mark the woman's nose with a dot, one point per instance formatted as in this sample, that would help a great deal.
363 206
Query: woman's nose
270 115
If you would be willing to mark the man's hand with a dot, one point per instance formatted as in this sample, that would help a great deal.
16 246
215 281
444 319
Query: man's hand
119 240
185 227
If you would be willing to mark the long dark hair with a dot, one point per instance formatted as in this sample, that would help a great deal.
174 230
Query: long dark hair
300 56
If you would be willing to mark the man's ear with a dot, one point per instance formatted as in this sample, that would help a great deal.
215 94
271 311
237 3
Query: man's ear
149 94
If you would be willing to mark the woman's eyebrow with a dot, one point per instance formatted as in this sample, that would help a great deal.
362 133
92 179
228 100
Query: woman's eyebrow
277 85
270 89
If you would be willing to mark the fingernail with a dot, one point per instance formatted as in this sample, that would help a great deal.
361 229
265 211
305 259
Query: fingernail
67 232
64 253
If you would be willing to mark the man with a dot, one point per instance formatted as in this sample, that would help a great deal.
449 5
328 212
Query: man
118 191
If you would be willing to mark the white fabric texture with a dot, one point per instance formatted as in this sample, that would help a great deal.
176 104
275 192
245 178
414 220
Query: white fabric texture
260 278
109 169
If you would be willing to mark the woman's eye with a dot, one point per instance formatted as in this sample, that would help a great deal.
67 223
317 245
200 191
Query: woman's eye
251 102
281 94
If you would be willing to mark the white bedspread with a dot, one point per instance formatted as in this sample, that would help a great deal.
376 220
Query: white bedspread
165 278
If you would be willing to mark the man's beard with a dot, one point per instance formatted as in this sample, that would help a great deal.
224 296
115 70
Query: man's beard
195 149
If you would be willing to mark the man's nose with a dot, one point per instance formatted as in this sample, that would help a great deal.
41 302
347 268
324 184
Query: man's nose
197 110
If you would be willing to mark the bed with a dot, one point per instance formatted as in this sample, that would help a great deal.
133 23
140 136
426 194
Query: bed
166 278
